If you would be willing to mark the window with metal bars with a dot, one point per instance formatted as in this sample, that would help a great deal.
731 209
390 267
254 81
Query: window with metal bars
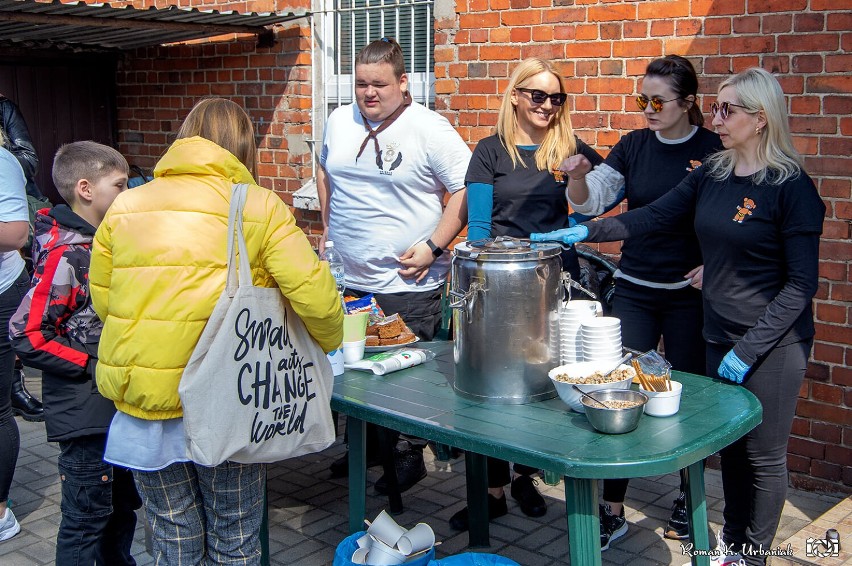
348 25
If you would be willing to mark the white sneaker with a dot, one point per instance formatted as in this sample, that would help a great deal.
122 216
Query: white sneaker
9 525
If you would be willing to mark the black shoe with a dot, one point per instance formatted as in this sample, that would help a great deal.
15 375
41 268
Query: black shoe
529 499
678 525
24 404
410 469
612 526
496 508
340 467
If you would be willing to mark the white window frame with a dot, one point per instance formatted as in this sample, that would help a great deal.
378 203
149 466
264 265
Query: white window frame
330 88
337 88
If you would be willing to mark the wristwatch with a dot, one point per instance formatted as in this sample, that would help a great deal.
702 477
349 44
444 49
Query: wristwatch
436 251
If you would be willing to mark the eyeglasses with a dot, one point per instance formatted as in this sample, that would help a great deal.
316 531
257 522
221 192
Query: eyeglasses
724 109
539 96
656 102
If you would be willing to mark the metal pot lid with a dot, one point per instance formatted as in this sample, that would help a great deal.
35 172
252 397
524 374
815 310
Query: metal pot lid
505 248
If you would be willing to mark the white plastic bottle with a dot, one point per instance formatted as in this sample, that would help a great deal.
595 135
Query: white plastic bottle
335 263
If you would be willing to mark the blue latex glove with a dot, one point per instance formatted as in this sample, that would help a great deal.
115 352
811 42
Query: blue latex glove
566 235
733 368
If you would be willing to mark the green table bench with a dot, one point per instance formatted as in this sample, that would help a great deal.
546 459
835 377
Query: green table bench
420 401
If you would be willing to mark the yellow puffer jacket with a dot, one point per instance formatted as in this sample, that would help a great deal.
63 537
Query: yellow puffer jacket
158 268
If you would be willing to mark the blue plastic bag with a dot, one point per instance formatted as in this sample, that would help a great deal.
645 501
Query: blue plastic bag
343 554
474 559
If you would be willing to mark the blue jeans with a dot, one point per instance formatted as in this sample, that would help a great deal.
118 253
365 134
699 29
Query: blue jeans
9 437
205 516
99 503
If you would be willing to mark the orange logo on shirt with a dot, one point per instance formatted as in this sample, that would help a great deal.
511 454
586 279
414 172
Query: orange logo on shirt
744 210
693 165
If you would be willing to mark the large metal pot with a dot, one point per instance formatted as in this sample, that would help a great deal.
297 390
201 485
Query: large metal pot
505 296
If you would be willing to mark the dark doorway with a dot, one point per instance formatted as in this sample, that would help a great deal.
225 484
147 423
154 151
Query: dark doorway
63 99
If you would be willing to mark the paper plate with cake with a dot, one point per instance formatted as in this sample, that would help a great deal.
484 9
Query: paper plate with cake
388 332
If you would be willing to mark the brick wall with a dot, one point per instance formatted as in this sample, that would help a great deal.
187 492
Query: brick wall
603 48
158 86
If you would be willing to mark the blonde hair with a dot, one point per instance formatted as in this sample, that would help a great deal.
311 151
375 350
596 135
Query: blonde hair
2 137
84 160
226 124
559 142
757 90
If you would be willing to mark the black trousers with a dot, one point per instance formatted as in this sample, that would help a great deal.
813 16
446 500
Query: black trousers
10 439
99 503
754 468
676 316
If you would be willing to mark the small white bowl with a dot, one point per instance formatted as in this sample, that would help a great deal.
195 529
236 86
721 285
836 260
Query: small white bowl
603 347
602 322
566 390
663 403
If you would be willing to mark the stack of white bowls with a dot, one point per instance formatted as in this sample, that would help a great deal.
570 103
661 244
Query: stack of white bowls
571 316
601 339
553 327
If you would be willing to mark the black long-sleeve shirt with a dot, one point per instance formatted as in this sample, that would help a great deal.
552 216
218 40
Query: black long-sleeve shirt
760 244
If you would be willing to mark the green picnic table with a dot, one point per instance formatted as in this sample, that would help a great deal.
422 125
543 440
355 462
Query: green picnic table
420 401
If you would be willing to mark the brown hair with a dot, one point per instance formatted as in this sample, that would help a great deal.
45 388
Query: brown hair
680 74
384 50
84 160
226 124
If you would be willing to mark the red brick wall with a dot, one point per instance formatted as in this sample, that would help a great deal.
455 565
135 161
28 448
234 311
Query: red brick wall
603 48
158 86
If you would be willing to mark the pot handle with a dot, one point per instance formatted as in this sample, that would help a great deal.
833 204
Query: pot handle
466 299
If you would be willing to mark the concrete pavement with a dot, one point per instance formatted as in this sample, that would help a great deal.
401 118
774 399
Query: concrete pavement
308 513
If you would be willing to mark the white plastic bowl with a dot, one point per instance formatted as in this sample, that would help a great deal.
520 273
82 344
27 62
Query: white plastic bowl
566 390
663 403
602 322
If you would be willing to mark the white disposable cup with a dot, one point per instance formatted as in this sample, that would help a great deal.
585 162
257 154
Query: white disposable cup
353 351
335 358
360 555
385 529
382 555
364 542
416 539
663 403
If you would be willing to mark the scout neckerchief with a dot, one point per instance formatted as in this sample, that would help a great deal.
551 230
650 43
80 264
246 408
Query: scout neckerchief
371 133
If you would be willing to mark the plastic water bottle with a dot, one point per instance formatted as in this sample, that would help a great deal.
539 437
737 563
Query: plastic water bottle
335 263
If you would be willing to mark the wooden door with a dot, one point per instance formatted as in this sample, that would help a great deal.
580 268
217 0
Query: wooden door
63 100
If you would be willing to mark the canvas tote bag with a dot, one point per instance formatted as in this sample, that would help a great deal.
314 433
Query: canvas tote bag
257 388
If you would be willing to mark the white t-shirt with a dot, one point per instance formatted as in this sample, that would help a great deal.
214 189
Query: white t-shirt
13 208
380 207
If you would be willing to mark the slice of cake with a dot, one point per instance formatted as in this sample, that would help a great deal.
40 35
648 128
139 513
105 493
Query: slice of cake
390 326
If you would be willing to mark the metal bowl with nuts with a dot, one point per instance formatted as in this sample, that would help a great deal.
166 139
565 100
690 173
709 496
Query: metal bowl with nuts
620 412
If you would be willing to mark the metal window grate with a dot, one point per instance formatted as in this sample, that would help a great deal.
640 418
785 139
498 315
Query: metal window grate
348 25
